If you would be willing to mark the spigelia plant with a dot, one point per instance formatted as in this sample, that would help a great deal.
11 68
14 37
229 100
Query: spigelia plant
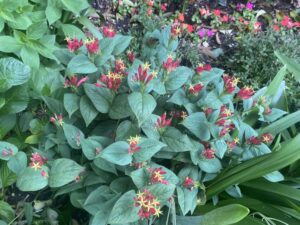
138 139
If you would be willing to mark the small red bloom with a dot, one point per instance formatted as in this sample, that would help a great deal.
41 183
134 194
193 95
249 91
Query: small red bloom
226 129
245 93
267 111
225 18
254 140
150 3
44 173
287 22
74 44
112 80
130 56
148 203
181 17
170 64
217 12
208 111
163 7
74 82
229 83
204 12
267 138
37 161
142 76
162 122
232 144
201 68
157 175
209 153
195 89
57 119
92 45
108 32
119 66
176 30
133 142
188 183
276 27
225 112
149 11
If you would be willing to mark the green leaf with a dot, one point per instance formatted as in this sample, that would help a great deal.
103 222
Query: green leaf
6 212
227 214
197 124
256 167
178 77
12 73
75 6
275 84
73 135
7 150
9 44
176 141
87 109
90 148
117 153
63 171
30 57
142 105
124 211
125 130
72 31
90 26
7 122
16 100
53 13
120 107
81 64
121 43
282 124
17 163
32 180
7 177
71 103
149 147
162 192
37 30
291 65
101 97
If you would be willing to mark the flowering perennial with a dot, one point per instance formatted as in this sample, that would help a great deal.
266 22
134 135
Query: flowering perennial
157 175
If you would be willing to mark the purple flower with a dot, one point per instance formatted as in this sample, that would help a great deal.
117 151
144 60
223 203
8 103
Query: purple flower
202 33
249 6
240 6
210 33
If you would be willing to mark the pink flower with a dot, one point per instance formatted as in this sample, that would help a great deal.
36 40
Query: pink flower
108 32
163 7
210 33
201 68
202 33
245 93
92 45
163 122
130 56
287 22
170 64
73 81
74 44
57 119
188 183
194 90
142 76
217 12
254 140
209 153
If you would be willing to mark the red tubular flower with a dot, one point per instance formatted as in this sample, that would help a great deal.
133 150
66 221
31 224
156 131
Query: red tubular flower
287 22
225 112
232 144
111 80
194 90
120 66
92 45
130 56
201 68
230 83
133 142
209 153
226 129
267 138
142 76
74 44
188 183
148 203
162 122
74 82
254 140
208 111
170 64
245 93
108 32
181 17
157 175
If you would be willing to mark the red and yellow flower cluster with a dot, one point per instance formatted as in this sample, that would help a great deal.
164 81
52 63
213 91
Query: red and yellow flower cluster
133 144
36 163
148 203
157 175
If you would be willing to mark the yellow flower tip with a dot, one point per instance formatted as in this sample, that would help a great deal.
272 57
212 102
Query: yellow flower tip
236 140
146 66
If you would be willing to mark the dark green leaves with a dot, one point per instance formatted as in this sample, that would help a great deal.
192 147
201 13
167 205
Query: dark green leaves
148 148
75 6
73 135
87 109
71 103
197 124
142 105
124 210
32 180
81 64
63 171
117 153
12 73
178 77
